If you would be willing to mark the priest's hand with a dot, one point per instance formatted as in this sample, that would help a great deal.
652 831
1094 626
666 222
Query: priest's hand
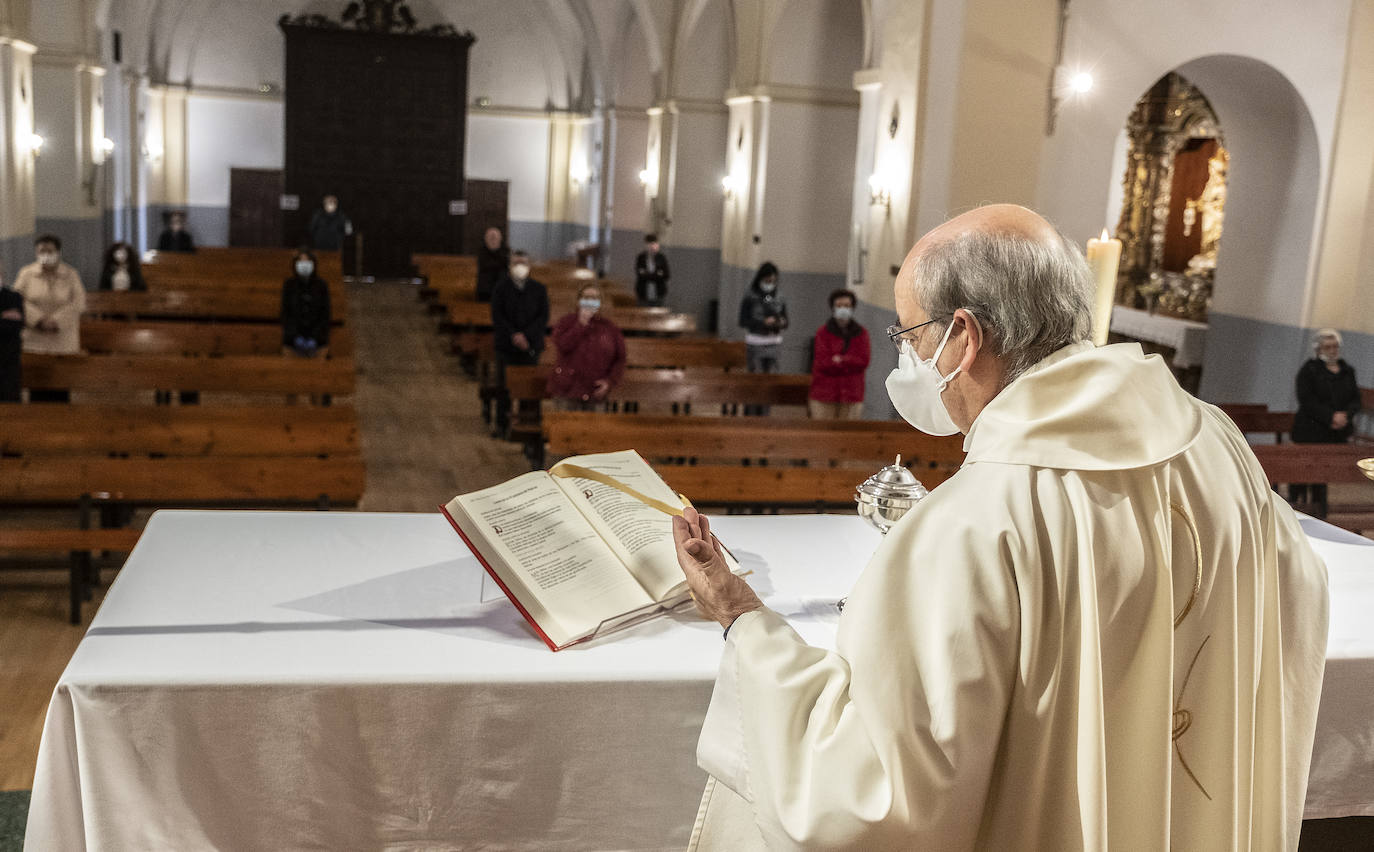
720 595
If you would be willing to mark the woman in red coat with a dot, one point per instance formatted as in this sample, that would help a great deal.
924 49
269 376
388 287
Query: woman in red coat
591 355
841 357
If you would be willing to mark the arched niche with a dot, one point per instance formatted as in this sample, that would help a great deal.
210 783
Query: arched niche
1255 338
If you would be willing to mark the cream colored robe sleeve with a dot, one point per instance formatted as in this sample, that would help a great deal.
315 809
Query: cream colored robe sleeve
896 751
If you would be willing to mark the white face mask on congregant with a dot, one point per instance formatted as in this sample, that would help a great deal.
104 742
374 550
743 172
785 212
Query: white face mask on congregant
304 268
520 271
915 388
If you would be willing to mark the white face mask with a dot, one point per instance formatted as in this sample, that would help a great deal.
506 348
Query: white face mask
304 268
767 286
843 313
589 304
121 256
520 271
47 258
915 388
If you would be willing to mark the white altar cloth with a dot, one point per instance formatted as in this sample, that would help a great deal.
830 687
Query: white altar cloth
274 680
1187 338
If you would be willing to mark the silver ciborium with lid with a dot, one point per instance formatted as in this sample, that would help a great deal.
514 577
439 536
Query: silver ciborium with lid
887 495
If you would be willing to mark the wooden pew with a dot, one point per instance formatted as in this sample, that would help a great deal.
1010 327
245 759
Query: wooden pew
680 389
64 455
244 374
476 316
804 456
274 260
185 431
248 306
1256 418
1323 463
169 337
675 352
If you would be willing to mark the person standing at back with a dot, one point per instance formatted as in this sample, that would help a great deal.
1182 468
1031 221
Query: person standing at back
122 270
839 361
329 226
651 274
519 320
763 316
11 342
176 237
1328 400
493 263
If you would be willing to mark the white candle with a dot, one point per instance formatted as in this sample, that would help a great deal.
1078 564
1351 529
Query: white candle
1104 257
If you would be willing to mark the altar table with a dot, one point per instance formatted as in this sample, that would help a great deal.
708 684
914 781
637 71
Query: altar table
292 680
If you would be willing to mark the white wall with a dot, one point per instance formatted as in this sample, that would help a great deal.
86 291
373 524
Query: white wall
229 132
817 43
808 193
514 149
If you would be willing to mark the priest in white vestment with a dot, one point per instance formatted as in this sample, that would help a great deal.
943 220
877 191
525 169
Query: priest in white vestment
1104 632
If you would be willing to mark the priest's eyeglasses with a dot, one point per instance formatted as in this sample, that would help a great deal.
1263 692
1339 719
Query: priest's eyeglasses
897 335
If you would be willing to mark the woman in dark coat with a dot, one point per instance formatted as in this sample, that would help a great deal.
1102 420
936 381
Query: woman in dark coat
305 309
1328 400
493 262
121 270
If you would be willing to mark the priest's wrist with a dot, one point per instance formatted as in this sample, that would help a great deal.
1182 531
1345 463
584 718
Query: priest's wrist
731 623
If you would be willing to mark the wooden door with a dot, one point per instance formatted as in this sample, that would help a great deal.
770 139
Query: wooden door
255 207
487 206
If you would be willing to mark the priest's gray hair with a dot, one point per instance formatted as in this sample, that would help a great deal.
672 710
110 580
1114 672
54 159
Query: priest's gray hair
1324 335
1031 297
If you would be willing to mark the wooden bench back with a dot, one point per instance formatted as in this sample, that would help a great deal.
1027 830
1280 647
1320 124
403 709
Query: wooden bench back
477 316
182 431
838 455
1307 463
182 481
204 304
672 353
243 374
170 337
705 386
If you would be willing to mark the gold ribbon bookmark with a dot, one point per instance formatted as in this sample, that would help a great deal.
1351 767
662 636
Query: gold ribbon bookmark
563 470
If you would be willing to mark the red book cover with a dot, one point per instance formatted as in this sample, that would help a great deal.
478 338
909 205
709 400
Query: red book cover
497 578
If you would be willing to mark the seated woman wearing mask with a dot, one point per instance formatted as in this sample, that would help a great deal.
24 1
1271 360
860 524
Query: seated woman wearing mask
122 270
305 310
838 366
591 355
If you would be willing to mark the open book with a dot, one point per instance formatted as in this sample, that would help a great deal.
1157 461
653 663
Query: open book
582 548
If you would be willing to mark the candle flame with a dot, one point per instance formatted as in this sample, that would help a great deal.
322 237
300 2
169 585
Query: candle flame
1104 235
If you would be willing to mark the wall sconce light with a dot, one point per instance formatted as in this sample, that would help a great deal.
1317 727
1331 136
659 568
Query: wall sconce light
107 145
579 174
152 153
36 144
879 193
729 184
644 177
1081 83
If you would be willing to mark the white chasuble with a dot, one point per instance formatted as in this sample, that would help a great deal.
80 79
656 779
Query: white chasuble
1105 631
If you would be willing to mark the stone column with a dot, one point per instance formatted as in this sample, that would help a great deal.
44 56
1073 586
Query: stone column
17 160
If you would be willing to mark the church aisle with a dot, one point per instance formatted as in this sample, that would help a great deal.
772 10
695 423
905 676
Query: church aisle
419 418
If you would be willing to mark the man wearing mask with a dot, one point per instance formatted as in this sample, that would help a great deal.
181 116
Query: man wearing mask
329 226
11 342
651 273
591 355
1104 632
176 237
519 319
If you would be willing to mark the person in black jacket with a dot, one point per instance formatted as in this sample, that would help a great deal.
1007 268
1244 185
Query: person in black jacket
122 270
519 314
176 237
763 316
519 319
493 263
328 226
11 342
1328 400
305 309
651 274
